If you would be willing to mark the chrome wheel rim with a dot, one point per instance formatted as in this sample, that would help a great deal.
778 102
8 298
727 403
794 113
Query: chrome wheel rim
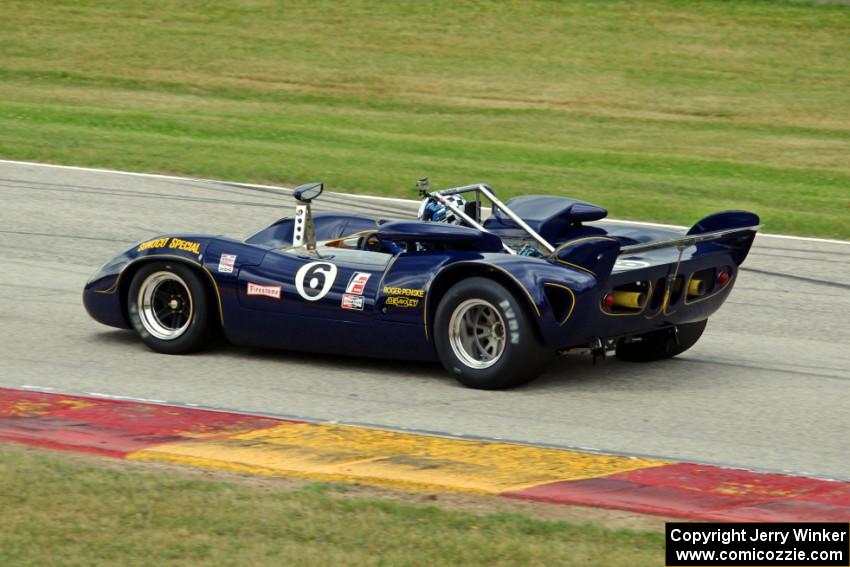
477 333
165 305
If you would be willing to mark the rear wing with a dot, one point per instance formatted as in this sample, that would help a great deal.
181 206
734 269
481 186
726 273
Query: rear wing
726 225
732 231
686 241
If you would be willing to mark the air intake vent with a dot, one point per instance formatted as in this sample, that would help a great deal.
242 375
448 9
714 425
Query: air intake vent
561 299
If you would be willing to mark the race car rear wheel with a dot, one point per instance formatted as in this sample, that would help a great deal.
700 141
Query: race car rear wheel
484 337
477 333
659 345
169 307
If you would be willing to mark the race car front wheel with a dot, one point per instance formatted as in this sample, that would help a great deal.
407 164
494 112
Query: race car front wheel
659 345
169 308
484 337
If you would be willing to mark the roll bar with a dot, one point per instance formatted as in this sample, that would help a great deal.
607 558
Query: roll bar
485 190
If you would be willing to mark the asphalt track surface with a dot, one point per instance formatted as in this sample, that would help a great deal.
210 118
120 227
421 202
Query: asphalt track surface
767 387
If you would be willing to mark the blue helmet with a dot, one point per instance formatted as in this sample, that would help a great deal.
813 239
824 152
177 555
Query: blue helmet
433 210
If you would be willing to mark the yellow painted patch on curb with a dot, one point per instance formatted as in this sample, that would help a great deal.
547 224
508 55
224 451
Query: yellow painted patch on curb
390 458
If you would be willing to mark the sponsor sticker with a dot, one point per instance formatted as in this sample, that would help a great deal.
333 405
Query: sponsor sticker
185 245
175 243
401 301
226 262
404 291
357 283
272 291
150 244
352 302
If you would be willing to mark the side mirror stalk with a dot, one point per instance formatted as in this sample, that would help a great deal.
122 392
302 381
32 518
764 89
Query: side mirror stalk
304 232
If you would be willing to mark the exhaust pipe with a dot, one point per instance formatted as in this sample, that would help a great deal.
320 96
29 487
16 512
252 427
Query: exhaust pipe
696 288
629 299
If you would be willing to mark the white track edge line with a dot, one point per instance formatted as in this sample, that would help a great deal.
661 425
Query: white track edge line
366 197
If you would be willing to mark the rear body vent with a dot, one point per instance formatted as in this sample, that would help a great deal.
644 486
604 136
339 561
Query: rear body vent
561 299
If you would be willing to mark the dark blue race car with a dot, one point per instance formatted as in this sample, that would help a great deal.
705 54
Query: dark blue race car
493 299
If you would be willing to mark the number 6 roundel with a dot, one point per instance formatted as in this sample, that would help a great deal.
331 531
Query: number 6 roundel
314 280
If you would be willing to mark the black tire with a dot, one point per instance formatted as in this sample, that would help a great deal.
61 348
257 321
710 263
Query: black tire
659 345
522 356
186 326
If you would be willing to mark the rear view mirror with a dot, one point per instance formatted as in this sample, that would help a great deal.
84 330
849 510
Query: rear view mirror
308 192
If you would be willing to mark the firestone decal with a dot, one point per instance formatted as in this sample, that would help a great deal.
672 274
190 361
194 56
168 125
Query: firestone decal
226 263
173 243
401 301
314 280
352 302
357 283
404 291
272 291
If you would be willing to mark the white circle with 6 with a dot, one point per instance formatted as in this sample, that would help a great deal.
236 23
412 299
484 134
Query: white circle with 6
314 280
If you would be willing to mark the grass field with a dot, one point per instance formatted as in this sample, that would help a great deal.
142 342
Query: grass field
659 111
60 512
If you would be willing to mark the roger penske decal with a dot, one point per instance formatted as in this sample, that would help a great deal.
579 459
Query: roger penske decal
407 292
171 243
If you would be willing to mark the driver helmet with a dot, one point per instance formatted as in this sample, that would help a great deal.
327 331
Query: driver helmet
432 210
